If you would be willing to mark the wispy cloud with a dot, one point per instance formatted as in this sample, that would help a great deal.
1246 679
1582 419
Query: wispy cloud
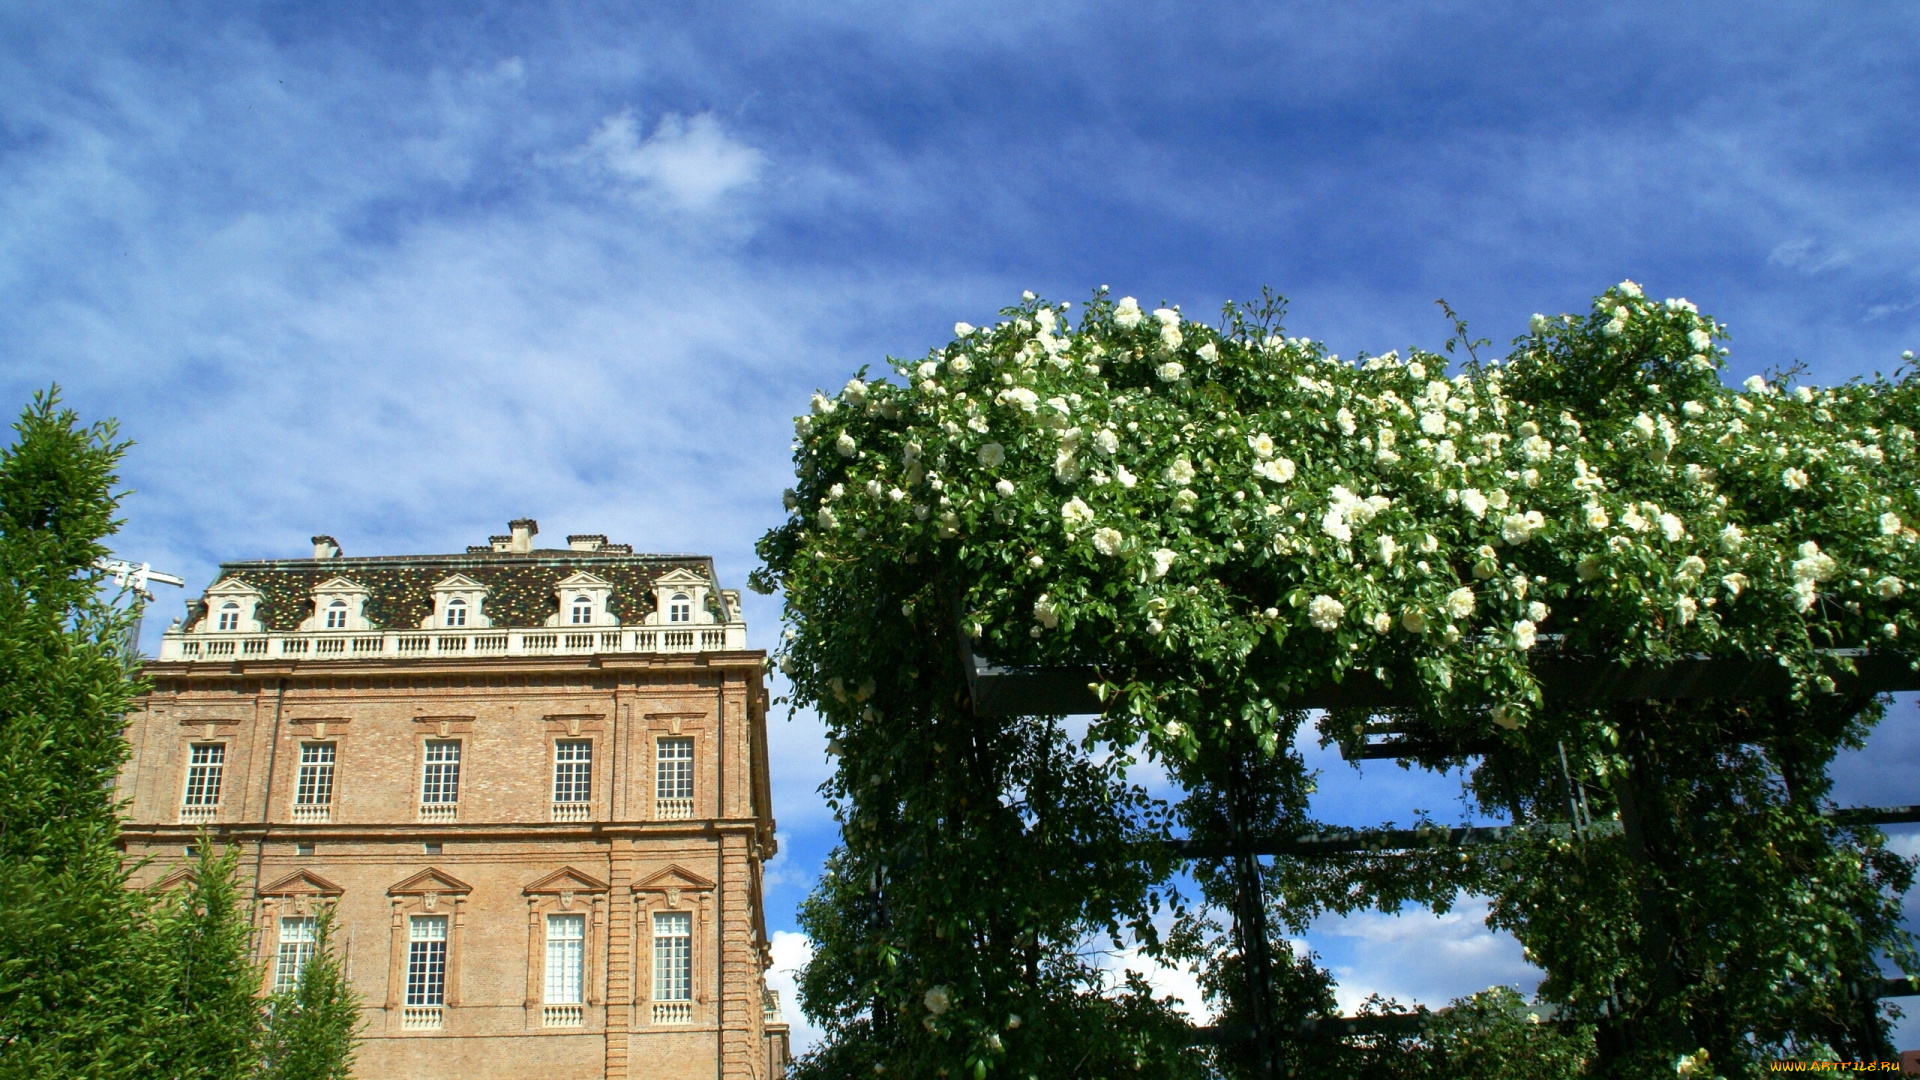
689 162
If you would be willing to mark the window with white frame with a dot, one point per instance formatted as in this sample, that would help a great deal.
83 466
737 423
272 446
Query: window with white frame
204 766
440 782
314 786
456 612
230 616
566 958
672 956
337 615
298 939
582 611
573 771
426 961
680 608
673 769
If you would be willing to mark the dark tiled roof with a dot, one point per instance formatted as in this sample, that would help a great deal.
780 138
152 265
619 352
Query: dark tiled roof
520 588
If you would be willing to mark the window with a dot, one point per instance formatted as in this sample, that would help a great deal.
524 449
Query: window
680 608
673 770
441 781
672 956
297 942
337 615
566 958
203 774
303 847
582 611
573 771
230 617
315 784
432 847
426 961
456 612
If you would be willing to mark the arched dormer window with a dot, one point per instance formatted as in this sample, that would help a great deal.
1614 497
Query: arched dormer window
337 615
582 611
456 612
230 616
680 608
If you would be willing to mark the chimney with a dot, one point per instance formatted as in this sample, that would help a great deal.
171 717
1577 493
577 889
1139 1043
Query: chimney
523 533
326 547
587 542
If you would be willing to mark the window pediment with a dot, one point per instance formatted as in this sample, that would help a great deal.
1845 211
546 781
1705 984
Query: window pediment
303 883
585 600
681 599
674 878
232 608
567 880
339 605
431 881
459 602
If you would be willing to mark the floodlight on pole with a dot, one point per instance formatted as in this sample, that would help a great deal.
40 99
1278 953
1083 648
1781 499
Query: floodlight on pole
136 576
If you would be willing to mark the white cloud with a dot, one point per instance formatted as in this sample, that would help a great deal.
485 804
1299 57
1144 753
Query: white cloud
691 162
1420 957
791 951
1178 983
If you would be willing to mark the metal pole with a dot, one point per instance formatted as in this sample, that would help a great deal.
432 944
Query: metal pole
1250 926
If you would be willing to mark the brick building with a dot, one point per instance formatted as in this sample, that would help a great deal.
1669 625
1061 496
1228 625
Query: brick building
533 782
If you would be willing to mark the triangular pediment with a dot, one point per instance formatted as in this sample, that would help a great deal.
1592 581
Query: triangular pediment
430 880
673 877
566 880
232 586
179 879
457 582
340 585
679 575
302 883
580 579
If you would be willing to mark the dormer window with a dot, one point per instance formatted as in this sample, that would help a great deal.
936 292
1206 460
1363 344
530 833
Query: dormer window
230 617
456 612
680 608
337 615
582 611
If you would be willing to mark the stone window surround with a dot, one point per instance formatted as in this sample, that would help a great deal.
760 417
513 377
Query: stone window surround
672 726
430 892
567 890
580 727
302 892
672 889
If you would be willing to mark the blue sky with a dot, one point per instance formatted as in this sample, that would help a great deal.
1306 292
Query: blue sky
399 274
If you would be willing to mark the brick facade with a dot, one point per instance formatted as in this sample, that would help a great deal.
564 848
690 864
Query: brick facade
492 867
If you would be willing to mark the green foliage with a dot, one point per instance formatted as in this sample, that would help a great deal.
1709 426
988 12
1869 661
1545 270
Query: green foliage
76 958
311 1029
208 1028
1224 518
97 980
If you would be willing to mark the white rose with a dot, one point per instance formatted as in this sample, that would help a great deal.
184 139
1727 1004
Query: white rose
1163 561
1279 471
1334 524
1684 609
1523 635
1731 538
1793 479
790 499
1171 370
1004 487
1537 612
1755 384
1460 602
1643 426
826 518
1536 449
961 364
1262 444
1890 524
1672 528
1127 479
895 494
1596 517
1185 499
992 455
1106 441
1207 352
1386 548
1076 513
1180 472
937 1000
1324 612
1537 324
822 404
1889 587
1345 419
1045 613
844 445
1107 541
1413 622
929 369
1382 622
1690 568
1475 502
1127 313
961 329
1735 583
1167 316
1699 339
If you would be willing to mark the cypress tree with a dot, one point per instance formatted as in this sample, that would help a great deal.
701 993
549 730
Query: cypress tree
311 1029
77 964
